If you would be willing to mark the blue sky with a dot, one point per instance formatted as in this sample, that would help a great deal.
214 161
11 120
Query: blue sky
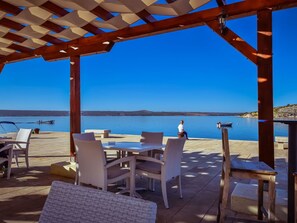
189 70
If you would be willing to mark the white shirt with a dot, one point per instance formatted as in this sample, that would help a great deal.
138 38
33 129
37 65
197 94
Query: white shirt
180 128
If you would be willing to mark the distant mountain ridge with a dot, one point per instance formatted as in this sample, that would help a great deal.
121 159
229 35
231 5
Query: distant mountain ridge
287 111
112 113
33 113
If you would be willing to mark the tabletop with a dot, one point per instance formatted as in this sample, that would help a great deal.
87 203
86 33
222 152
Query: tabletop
132 146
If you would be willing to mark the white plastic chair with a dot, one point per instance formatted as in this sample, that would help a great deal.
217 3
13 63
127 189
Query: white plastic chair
90 136
94 170
166 169
152 137
8 158
21 145
156 138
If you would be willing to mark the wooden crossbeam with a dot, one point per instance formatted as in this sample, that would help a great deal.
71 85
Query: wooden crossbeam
234 11
92 29
221 3
90 49
14 10
146 16
51 39
52 26
234 40
55 9
59 11
9 8
11 24
14 37
20 48
102 13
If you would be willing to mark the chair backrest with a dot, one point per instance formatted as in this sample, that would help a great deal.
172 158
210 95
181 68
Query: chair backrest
91 161
90 136
172 157
68 203
24 136
152 137
84 136
226 151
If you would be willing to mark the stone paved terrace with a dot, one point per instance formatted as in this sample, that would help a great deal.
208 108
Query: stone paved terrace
22 197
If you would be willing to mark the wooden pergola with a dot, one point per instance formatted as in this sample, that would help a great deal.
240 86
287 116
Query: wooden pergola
54 29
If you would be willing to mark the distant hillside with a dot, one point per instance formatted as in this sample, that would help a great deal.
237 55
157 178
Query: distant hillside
288 111
32 113
152 113
111 113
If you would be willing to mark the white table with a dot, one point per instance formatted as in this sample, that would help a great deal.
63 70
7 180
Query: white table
131 147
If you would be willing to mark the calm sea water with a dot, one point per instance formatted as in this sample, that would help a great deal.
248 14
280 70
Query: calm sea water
196 126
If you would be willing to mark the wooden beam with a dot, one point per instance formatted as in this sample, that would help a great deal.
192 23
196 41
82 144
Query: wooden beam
20 48
92 29
14 37
265 87
52 26
59 11
11 24
234 40
1 67
236 10
55 9
173 24
102 13
221 3
75 111
146 16
91 49
51 39
9 8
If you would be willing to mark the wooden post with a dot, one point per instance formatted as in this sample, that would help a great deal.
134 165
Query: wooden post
1 67
74 99
265 87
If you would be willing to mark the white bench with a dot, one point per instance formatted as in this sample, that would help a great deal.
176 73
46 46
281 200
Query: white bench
103 132
282 142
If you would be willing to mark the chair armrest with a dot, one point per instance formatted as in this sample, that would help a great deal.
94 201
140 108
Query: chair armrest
121 160
17 143
151 159
6 147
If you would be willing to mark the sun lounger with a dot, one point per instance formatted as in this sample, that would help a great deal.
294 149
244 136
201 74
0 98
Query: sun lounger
282 142
104 133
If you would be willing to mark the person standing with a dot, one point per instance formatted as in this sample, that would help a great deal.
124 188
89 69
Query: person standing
181 130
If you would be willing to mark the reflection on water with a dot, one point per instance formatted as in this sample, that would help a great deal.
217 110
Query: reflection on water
196 126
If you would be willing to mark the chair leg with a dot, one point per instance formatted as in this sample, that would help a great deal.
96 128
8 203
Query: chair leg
16 159
76 176
271 202
10 154
260 199
164 193
27 160
225 194
220 195
179 186
132 178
